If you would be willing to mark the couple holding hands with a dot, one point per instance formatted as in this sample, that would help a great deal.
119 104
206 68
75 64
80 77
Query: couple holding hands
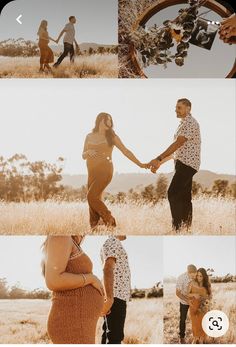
46 53
185 150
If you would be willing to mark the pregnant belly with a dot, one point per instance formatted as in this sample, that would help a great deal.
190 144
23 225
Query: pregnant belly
74 313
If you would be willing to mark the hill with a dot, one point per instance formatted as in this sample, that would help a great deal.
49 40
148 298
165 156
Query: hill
124 182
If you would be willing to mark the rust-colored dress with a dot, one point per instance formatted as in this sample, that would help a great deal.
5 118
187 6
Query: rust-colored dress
74 313
196 314
46 54
100 173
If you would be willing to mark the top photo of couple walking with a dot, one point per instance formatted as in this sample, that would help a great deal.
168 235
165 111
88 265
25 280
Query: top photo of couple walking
36 36
185 151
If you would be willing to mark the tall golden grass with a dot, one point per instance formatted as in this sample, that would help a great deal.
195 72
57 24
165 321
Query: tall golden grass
24 321
211 217
94 66
224 299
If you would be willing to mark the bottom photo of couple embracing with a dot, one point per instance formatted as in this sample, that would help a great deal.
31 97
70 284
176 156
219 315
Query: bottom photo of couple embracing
199 287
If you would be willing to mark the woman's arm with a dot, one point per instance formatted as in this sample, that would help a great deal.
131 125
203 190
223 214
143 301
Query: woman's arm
57 255
118 143
85 153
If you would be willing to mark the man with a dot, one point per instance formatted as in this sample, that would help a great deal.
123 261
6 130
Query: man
118 288
182 293
69 39
185 150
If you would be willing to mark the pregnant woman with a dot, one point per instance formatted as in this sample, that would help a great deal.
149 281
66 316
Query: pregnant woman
78 295
199 294
46 54
97 152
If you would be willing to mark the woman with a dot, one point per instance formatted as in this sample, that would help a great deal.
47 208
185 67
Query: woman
46 54
97 152
200 294
78 295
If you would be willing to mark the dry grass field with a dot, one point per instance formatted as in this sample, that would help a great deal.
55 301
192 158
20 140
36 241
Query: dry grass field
211 217
94 66
24 321
224 298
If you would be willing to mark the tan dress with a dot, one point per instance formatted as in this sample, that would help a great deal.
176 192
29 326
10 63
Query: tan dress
100 173
74 313
46 54
196 313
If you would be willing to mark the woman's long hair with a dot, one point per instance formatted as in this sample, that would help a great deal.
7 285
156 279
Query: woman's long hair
44 250
206 282
42 27
110 133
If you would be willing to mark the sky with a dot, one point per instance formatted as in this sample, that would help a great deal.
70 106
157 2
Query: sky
45 119
200 63
97 24
217 252
144 252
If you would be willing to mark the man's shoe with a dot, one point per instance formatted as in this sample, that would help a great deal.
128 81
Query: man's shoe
182 341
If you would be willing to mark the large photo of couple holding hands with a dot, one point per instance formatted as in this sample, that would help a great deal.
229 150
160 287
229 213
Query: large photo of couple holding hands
120 159
185 151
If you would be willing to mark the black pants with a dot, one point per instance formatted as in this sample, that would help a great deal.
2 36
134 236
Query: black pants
68 49
113 326
182 321
180 195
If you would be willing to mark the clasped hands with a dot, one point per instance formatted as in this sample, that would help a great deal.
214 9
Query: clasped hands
153 165
227 29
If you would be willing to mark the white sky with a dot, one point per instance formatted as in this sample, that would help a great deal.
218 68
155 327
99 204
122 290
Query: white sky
217 252
20 258
45 119
97 24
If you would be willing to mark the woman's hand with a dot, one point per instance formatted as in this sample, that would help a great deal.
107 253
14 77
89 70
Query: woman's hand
144 166
97 284
107 306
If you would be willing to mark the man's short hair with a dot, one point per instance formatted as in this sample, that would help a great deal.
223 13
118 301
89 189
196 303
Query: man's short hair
71 17
192 268
186 102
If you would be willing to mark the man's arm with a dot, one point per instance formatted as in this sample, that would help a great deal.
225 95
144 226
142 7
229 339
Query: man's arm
108 273
168 153
181 296
61 33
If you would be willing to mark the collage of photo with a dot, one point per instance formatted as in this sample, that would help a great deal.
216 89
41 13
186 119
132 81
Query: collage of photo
117 172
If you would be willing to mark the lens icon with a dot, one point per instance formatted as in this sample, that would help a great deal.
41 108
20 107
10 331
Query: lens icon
215 323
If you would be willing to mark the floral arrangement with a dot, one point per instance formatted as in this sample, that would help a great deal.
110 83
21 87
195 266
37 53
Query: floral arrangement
205 305
155 44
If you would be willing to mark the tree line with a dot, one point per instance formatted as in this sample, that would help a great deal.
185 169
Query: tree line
16 292
26 48
23 181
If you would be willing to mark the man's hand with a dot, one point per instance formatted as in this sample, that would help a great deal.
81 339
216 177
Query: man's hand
154 165
107 306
